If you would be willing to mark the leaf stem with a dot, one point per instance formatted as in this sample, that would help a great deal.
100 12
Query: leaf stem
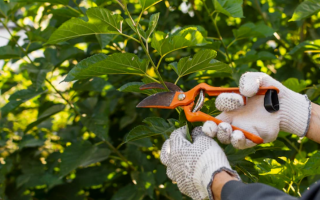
119 154
128 36
75 10
145 50
220 37
177 80
61 95
158 65
214 20
233 41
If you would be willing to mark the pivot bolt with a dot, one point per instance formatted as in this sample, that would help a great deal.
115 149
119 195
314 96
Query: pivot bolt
181 97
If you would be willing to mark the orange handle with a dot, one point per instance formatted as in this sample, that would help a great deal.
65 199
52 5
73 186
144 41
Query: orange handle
215 91
202 117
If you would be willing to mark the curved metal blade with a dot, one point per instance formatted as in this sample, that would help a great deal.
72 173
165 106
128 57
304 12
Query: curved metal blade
170 86
200 102
159 100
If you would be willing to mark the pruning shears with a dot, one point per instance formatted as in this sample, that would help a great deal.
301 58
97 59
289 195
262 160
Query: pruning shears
176 97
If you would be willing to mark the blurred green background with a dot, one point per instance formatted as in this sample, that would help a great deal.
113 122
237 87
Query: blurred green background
85 139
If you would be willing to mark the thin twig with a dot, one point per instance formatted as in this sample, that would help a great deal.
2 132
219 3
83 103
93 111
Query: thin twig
119 154
214 20
145 50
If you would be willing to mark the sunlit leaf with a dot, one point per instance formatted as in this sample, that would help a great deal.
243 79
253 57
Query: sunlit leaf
100 64
52 110
19 97
231 8
305 46
181 39
295 85
101 21
8 52
306 9
200 61
250 29
152 24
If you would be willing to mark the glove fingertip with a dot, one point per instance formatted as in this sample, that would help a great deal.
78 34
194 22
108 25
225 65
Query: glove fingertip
210 128
224 133
238 139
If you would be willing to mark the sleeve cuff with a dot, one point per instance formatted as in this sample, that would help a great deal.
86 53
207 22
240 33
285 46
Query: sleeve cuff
231 172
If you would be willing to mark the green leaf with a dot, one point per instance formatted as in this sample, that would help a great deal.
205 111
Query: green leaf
52 110
57 57
152 24
312 167
128 192
38 74
134 87
250 29
5 8
155 126
19 97
145 182
200 61
314 92
8 52
81 155
101 21
65 12
209 107
306 9
104 39
145 4
100 64
231 8
98 124
295 85
305 46
181 39
64 2
253 56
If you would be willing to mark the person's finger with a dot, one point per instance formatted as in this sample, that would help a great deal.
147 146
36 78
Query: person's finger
229 101
178 139
165 152
250 82
224 133
239 141
210 128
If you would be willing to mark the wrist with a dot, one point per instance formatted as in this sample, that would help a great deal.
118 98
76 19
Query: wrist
219 180
295 113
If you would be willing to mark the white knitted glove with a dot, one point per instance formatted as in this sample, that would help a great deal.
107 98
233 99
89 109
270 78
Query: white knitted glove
193 165
293 116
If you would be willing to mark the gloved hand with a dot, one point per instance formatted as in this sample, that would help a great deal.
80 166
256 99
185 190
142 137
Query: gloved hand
193 165
293 116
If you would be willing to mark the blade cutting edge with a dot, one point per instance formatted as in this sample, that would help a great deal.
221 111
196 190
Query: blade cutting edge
159 100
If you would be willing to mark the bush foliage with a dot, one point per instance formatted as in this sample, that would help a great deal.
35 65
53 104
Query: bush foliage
69 126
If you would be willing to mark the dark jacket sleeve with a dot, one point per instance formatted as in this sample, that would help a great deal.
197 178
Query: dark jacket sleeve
236 190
